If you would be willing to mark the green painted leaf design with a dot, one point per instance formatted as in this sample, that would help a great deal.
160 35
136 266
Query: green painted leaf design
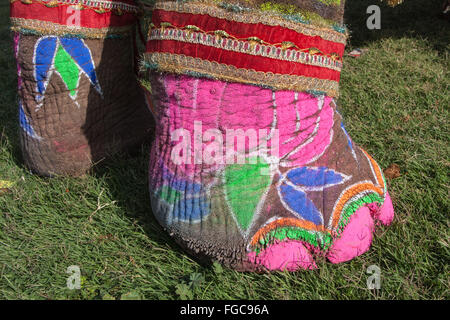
169 195
68 70
245 184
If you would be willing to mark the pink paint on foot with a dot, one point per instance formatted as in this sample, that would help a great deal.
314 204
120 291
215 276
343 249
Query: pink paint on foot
386 212
288 255
355 239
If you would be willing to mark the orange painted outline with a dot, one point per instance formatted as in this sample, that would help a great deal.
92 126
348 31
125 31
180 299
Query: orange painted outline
376 168
350 193
286 222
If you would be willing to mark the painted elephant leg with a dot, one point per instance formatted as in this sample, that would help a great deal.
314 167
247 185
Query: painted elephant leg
252 165
79 100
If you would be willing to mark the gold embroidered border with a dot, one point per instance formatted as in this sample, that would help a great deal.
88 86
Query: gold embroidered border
100 6
253 16
50 28
245 47
182 64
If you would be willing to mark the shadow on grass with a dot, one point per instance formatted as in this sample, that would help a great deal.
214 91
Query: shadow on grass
127 179
413 19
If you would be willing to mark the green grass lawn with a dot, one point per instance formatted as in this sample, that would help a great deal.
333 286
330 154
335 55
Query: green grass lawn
395 100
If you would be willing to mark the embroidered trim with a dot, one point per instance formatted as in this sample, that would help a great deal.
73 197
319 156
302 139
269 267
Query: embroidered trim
43 27
252 40
181 64
246 47
100 6
252 16
321 13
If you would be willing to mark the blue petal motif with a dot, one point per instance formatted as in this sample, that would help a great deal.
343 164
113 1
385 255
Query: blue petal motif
190 205
25 123
315 178
43 60
350 144
349 141
191 209
180 184
81 54
298 202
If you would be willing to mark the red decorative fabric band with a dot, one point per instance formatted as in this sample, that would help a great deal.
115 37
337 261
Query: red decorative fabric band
73 13
240 60
271 34
208 41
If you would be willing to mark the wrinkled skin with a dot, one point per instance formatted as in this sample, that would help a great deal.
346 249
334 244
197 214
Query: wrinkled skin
64 132
78 95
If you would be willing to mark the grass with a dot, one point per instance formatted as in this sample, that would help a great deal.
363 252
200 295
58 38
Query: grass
395 101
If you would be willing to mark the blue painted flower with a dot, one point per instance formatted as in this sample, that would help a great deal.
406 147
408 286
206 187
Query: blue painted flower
67 57
295 184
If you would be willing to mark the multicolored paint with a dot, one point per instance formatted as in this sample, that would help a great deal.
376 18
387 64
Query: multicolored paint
293 189
24 122
287 184
180 199
71 56
67 57
252 66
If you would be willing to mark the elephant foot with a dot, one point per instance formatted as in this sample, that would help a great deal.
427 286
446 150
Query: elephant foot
79 101
251 164
319 194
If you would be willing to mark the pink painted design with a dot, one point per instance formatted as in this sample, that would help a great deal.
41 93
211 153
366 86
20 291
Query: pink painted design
302 143
304 121
290 255
355 239
16 52
386 213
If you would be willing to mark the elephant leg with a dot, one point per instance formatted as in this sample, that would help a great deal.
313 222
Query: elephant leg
79 101
251 164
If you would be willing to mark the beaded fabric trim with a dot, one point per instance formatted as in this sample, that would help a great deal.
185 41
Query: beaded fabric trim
182 64
97 5
246 47
80 18
44 27
252 16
